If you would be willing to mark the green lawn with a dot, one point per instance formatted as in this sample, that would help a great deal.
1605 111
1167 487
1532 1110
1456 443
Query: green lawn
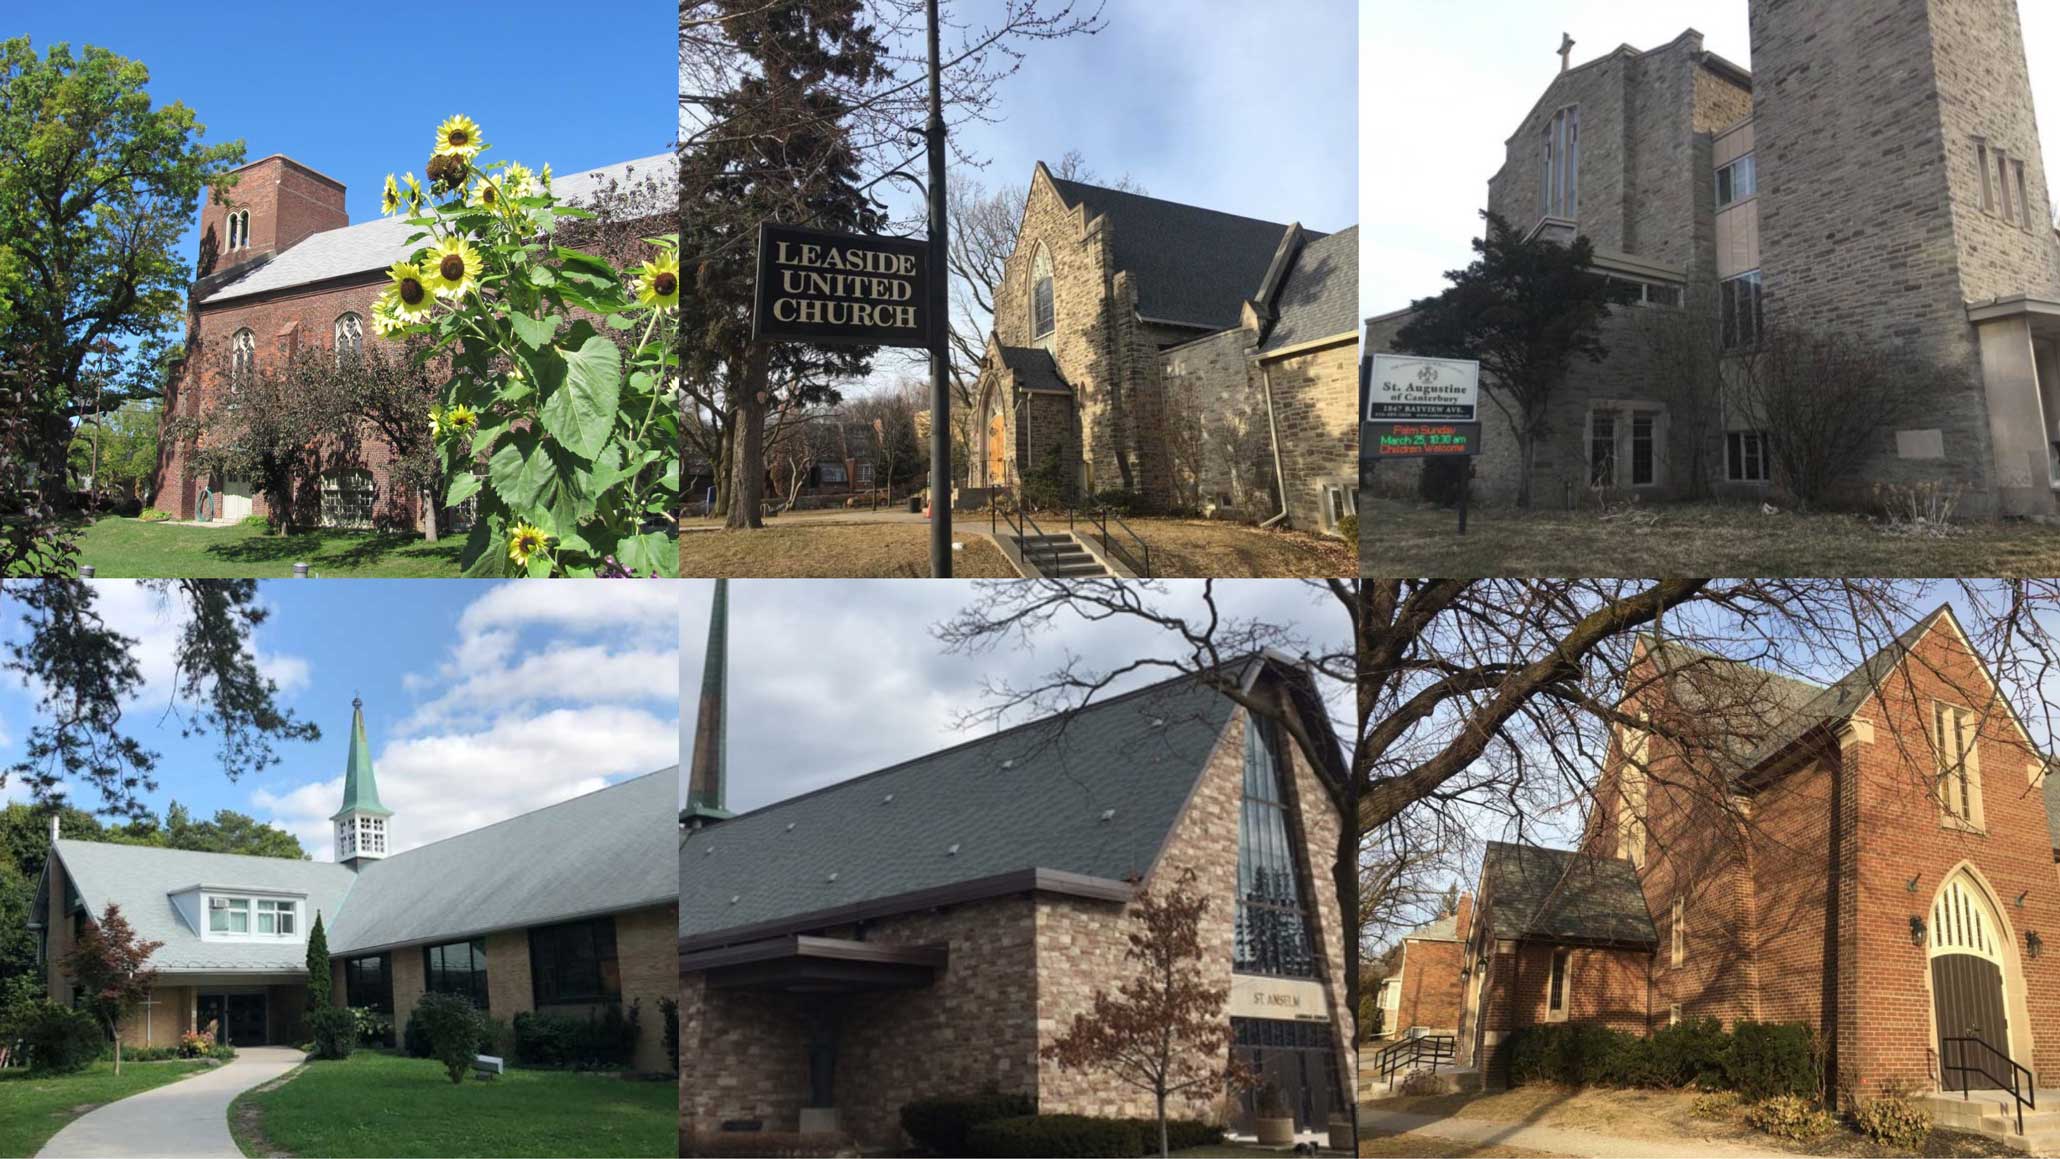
130 548
35 1107
388 1104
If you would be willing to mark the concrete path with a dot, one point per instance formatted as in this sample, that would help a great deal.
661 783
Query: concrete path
189 1117
1558 1140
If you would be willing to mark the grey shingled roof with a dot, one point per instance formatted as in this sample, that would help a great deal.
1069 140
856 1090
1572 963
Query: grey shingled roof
1559 895
1034 368
1320 298
1190 265
1032 797
374 245
1836 702
1445 929
142 878
607 851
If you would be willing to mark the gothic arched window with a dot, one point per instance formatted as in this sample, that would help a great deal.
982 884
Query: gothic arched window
242 354
1041 313
239 229
350 337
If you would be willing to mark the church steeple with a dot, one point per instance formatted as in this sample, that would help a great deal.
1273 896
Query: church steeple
711 729
361 833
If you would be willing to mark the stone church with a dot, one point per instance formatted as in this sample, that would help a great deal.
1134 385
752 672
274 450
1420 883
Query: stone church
281 267
1876 174
1196 359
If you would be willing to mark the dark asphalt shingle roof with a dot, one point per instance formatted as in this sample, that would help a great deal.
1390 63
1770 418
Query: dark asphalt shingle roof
1320 296
1034 368
1840 699
1560 895
1032 797
1190 265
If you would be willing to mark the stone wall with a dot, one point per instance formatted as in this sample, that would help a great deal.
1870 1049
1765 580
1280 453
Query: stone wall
1218 439
1316 408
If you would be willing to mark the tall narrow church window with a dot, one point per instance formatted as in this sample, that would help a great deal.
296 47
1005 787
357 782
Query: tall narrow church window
1676 935
1562 173
1632 787
350 337
2003 184
1555 996
1742 310
1602 449
1959 769
242 355
1644 456
2023 195
1043 315
1272 928
1988 186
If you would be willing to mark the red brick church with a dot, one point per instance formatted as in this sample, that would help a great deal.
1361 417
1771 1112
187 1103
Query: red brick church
1874 858
280 268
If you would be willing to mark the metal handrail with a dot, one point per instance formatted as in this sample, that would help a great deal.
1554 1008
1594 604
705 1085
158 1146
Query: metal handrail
1140 567
1410 1052
2027 1096
1021 525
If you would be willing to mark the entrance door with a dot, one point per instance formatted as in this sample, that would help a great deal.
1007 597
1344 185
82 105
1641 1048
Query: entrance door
234 501
997 451
1967 945
239 1018
1296 1059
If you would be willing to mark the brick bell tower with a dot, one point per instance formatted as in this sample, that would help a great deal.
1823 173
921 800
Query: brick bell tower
1903 199
275 203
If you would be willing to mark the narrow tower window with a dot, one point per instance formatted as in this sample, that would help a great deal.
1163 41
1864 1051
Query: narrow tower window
1272 929
1043 317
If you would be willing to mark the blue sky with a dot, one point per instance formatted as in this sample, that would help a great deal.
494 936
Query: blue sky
481 700
357 93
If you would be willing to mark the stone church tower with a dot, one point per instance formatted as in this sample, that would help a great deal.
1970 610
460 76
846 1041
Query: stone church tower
362 834
1903 199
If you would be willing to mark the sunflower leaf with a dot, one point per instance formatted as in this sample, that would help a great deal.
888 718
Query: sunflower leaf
521 471
463 487
535 332
581 413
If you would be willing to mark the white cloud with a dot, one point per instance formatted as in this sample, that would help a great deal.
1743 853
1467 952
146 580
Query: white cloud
450 783
155 620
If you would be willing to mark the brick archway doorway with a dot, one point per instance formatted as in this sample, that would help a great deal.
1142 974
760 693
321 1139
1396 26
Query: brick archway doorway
1967 994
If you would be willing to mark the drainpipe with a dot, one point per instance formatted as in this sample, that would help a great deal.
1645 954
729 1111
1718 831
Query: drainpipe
1273 428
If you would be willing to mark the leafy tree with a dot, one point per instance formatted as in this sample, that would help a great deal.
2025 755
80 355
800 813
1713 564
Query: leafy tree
112 968
118 449
271 424
319 982
454 1029
229 832
1525 309
87 672
96 189
1164 1029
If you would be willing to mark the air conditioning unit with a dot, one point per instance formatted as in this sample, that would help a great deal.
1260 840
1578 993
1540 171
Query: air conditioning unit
218 903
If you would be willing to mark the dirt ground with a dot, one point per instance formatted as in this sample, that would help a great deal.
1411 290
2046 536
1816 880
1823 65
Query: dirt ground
864 550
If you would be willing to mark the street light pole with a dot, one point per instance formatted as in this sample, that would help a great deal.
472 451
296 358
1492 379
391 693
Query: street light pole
940 329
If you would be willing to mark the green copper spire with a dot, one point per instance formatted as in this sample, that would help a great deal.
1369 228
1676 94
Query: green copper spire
711 731
360 790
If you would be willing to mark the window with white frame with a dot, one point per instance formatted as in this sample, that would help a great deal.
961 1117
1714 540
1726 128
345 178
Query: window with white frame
247 916
1737 181
1602 449
1745 457
228 915
1674 1014
865 473
1743 313
350 337
1043 311
1959 767
242 355
275 917
348 497
1555 990
830 473
1339 501
1644 449
239 229
1561 193
1676 932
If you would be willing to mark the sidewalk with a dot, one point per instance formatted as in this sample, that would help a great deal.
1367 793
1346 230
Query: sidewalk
1559 1140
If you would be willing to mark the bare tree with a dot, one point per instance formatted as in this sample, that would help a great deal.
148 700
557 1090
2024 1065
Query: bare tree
1684 345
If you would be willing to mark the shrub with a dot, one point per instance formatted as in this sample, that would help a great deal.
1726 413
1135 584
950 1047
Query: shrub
749 1144
1181 1134
258 522
606 1041
151 1053
1574 1053
1348 530
221 1052
1443 480
1059 1136
1790 1117
453 1028
671 1009
1688 1053
196 1043
414 1040
335 1029
1117 501
940 1124
153 515
372 1025
1714 1104
1421 1082
1893 1121
1767 1059
60 1039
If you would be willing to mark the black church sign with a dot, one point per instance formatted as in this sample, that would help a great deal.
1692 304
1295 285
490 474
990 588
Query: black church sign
817 286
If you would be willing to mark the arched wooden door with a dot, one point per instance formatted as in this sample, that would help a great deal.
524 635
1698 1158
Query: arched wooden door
1967 981
997 450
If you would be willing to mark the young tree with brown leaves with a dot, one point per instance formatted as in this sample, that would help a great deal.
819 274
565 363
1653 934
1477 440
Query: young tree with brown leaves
112 968
1164 1030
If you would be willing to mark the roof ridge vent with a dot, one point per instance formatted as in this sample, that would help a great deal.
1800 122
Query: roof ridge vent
1010 763
951 850
832 877
887 800
1108 814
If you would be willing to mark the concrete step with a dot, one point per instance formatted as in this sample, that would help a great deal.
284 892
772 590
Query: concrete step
1059 556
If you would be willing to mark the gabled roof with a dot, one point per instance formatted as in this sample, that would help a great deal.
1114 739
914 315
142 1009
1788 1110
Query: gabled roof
1559 895
1320 298
1088 796
1034 369
1838 701
1445 929
143 878
370 246
604 852
1191 266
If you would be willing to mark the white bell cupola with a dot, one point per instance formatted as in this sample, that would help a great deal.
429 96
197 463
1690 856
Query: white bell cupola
363 825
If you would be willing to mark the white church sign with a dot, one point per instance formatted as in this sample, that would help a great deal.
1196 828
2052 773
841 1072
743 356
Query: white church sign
1407 388
1285 999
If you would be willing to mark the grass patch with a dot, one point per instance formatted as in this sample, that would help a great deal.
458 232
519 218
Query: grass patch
386 1104
1407 1146
133 549
1412 539
35 1107
1207 548
833 550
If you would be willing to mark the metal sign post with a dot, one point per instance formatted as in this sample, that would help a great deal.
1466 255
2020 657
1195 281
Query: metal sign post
940 330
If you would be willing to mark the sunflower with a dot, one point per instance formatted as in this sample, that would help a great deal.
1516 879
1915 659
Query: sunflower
486 193
453 267
384 324
436 423
412 190
460 418
390 201
459 135
409 298
524 541
547 177
518 181
447 173
658 281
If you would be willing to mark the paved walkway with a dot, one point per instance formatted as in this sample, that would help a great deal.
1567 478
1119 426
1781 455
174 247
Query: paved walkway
1558 1140
189 1117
